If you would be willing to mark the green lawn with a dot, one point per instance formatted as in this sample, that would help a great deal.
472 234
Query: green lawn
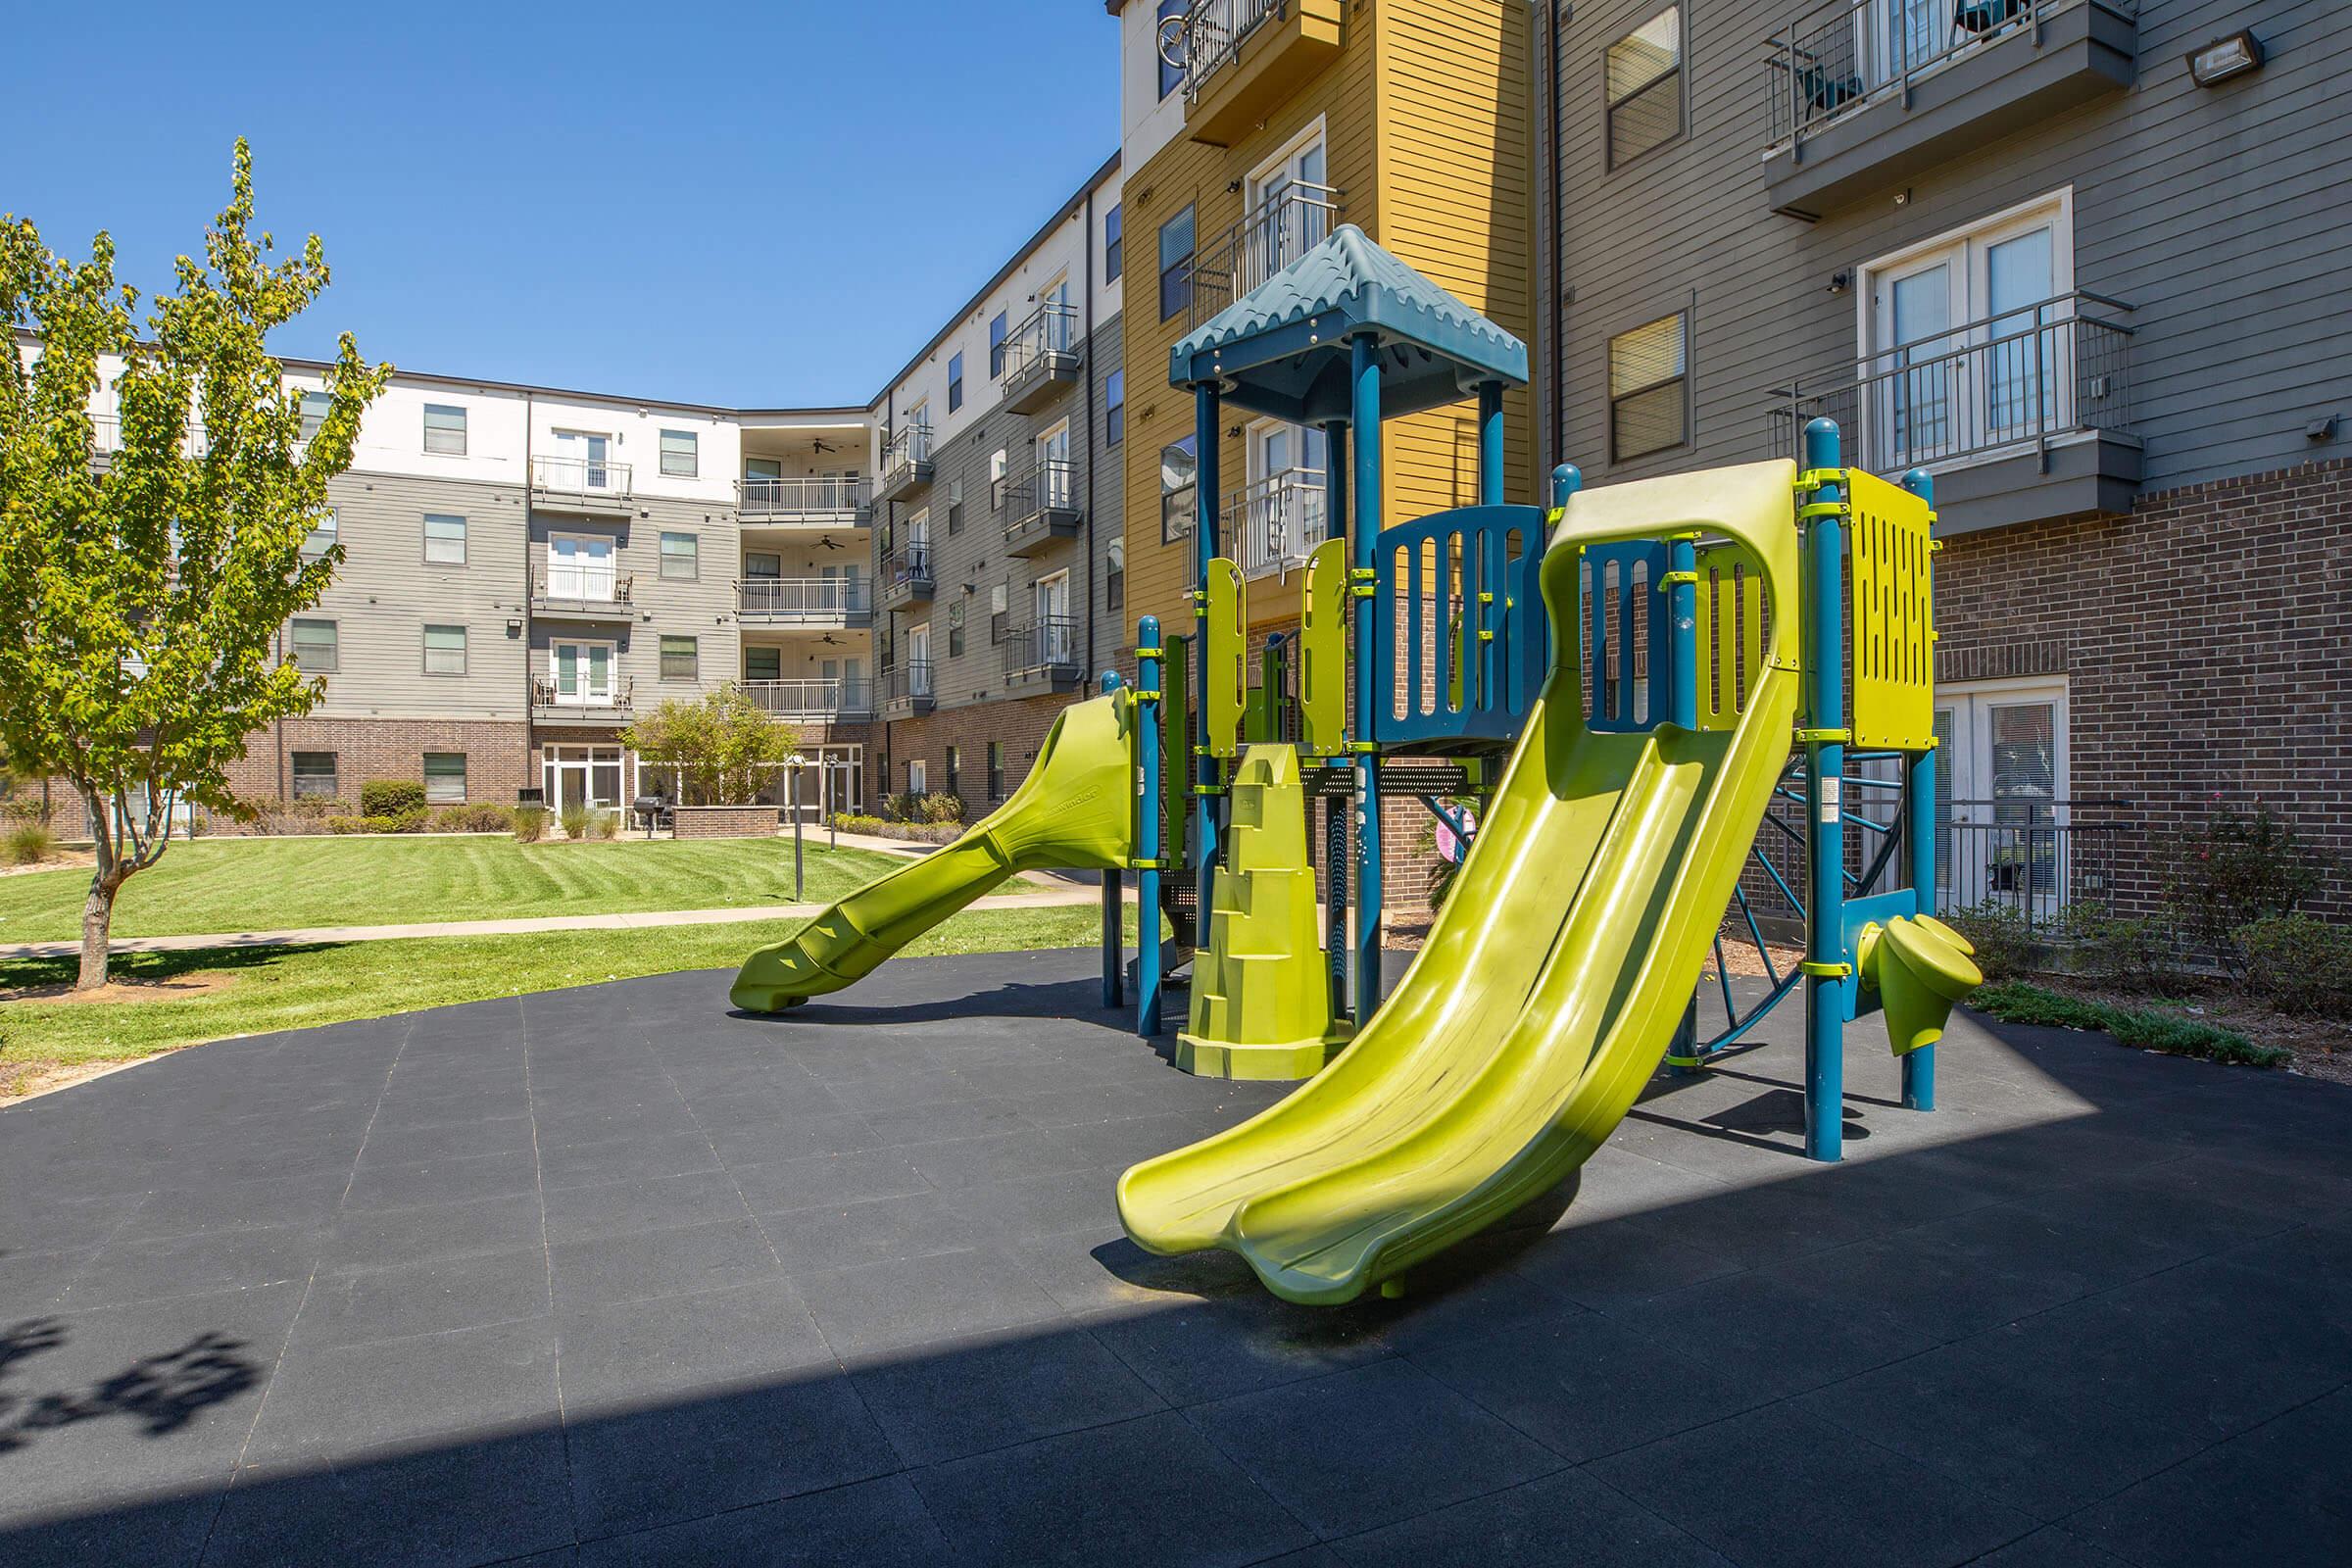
286 883
293 988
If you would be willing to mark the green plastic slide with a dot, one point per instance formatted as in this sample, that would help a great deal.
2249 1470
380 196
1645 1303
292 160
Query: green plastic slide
1553 982
1074 812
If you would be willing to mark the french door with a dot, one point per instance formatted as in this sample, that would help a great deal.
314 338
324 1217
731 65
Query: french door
582 672
1290 210
1054 466
2001 806
580 567
587 454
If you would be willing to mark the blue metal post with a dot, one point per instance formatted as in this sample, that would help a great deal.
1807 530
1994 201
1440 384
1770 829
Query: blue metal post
1566 480
1490 443
1335 837
1204 549
1682 687
1825 835
1919 828
1371 682
1147 828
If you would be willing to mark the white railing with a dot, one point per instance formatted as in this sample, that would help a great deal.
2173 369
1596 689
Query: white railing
1283 226
810 496
813 699
909 445
580 477
1050 334
1278 520
592 585
810 599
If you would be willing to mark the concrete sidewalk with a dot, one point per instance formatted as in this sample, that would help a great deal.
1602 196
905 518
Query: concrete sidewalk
1046 892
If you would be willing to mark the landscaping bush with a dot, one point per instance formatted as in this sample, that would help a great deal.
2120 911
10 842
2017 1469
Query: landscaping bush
2005 941
2235 870
530 822
886 828
2298 964
483 818
608 824
414 821
391 796
939 808
2148 1028
2129 955
576 820
30 841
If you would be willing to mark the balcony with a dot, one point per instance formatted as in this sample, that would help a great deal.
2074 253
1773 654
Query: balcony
1867 94
2019 419
551 704
1043 657
1042 358
819 601
905 462
804 502
1270 236
906 578
1276 523
1242 59
1042 509
813 702
907 690
585 485
580 594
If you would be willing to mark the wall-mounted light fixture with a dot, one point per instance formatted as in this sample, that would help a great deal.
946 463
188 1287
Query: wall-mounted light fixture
2225 58
1839 282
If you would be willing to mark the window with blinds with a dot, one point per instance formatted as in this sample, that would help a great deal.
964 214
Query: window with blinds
1645 87
1650 408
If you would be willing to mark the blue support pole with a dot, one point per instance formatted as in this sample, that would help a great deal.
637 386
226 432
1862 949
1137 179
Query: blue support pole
1919 827
1490 443
1147 828
1825 835
1335 836
1682 710
1204 549
1371 682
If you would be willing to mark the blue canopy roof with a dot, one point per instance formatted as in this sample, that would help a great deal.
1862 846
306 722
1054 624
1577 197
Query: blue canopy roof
1283 348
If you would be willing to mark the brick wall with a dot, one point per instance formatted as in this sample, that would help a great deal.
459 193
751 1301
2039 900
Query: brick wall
725 822
498 759
1018 725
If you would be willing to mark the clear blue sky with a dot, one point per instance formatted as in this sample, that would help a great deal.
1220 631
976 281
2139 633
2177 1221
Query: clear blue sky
753 206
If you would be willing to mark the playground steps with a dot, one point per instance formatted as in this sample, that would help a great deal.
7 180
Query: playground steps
1260 1006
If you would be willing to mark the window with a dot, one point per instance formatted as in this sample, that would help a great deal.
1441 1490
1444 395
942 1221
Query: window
955 382
444 539
995 771
681 458
1176 264
445 650
1176 468
1115 575
318 542
1171 77
445 778
954 771
314 775
445 430
956 630
2001 773
1114 244
956 506
763 663
1114 399
680 657
918 776
314 647
997 614
996 479
681 558
996 346
1645 87
1648 402
314 413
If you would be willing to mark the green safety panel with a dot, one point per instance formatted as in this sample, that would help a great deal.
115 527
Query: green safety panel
1228 635
1176 744
1323 652
1893 614
1729 633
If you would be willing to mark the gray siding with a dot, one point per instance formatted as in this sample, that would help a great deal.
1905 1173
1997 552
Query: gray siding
2218 214
703 609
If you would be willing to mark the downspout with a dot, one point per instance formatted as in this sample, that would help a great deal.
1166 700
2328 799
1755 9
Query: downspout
1086 248
1548 244
530 729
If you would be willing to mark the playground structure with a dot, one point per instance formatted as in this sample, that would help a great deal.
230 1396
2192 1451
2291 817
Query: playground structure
1628 684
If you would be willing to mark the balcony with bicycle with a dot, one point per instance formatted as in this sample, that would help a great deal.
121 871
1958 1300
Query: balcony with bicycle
905 462
582 592
817 603
1285 226
1866 94
1043 357
1042 510
815 701
1242 59
907 690
580 697
813 501
591 486
2018 417
1274 524
906 578
1043 657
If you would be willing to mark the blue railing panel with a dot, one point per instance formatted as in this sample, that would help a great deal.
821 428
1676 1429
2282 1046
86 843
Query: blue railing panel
1461 642
1627 686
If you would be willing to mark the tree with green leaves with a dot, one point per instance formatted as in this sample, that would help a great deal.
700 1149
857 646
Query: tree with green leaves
724 747
145 578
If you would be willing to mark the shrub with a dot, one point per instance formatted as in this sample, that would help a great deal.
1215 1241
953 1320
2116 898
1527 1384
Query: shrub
2005 941
2235 870
884 828
2132 955
391 796
2298 964
939 808
530 822
483 818
576 820
402 823
30 841
2148 1028
608 824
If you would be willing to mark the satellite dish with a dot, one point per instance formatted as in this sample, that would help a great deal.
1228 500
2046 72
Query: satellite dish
1171 41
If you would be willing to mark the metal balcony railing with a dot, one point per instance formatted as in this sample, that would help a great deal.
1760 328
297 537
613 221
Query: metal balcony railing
2016 381
909 447
581 476
828 601
1051 643
1277 520
907 682
588 585
1831 61
549 699
1214 33
1283 226
797 497
913 563
2034 856
812 700
1050 487
1049 333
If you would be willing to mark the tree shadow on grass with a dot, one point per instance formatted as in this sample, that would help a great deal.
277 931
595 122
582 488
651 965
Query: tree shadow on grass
42 978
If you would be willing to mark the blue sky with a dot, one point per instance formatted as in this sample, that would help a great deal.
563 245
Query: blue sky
753 206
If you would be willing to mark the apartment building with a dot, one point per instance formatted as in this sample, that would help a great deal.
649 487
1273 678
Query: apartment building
2084 262
1000 583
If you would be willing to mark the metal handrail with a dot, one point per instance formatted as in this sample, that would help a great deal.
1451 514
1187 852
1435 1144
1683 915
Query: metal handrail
810 697
911 563
907 445
1049 333
582 585
580 477
1052 486
1214 32
912 679
2016 381
544 694
1049 641
2036 856
802 494
1276 520
803 598
1275 232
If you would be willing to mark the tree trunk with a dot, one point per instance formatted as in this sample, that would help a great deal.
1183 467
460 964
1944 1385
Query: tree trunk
97 922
